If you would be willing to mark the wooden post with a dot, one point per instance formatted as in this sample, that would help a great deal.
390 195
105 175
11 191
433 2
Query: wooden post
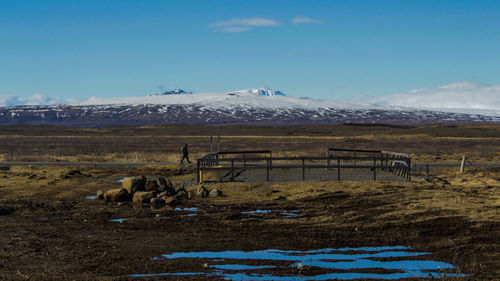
244 161
198 171
462 166
327 160
211 145
267 169
374 169
303 169
426 170
409 169
218 143
232 169
270 160
338 169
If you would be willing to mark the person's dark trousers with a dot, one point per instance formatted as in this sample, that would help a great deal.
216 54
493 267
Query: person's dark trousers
185 157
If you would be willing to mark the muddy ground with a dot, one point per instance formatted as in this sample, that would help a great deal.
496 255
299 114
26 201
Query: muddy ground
50 231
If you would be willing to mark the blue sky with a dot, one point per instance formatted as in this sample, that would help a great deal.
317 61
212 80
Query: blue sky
332 50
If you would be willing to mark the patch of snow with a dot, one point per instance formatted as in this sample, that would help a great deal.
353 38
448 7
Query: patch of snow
463 97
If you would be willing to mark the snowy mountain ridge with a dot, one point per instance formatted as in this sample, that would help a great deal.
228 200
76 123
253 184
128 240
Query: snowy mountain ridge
262 106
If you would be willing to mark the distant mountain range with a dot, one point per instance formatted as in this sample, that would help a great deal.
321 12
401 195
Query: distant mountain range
173 92
251 106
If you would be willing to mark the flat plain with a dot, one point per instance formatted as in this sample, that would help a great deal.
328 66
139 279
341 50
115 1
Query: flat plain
49 230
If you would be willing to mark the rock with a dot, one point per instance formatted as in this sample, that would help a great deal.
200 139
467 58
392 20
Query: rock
202 192
162 194
179 188
100 194
74 172
157 203
182 194
165 185
169 200
215 193
189 195
143 197
151 186
117 195
133 184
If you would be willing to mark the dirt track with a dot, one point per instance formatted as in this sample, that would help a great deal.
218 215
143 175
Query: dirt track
49 231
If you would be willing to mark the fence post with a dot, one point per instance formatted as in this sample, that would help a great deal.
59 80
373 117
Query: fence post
409 169
198 170
267 169
244 161
327 160
270 160
211 144
374 169
303 169
338 168
232 169
427 170
462 165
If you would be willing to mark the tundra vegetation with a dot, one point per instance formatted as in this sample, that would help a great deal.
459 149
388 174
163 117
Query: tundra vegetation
49 230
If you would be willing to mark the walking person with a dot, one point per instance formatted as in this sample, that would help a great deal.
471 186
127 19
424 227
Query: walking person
185 153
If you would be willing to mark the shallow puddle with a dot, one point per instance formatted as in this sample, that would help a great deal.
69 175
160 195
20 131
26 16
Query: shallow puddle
117 220
90 197
283 213
186 209
405 263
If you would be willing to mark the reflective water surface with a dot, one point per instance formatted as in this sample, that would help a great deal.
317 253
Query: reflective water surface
353 263
284 213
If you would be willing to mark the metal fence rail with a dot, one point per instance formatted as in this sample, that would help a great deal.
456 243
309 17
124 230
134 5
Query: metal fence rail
393 162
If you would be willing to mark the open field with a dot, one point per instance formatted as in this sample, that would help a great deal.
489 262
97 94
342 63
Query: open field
162 144
50 231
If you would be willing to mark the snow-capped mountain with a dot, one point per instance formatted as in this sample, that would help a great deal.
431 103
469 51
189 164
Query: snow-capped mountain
259 92
173 92
251 106
461 96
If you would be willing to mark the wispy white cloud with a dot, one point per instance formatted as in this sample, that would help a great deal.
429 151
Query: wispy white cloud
301 20
234 29
241 25
39 99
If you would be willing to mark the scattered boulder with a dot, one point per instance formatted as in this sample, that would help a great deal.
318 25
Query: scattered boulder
162 194
202 192
165 185
151 186
74 172
117 195
182 194
133 184
215 193
100 194
179 188
169 200
157 202
143 197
